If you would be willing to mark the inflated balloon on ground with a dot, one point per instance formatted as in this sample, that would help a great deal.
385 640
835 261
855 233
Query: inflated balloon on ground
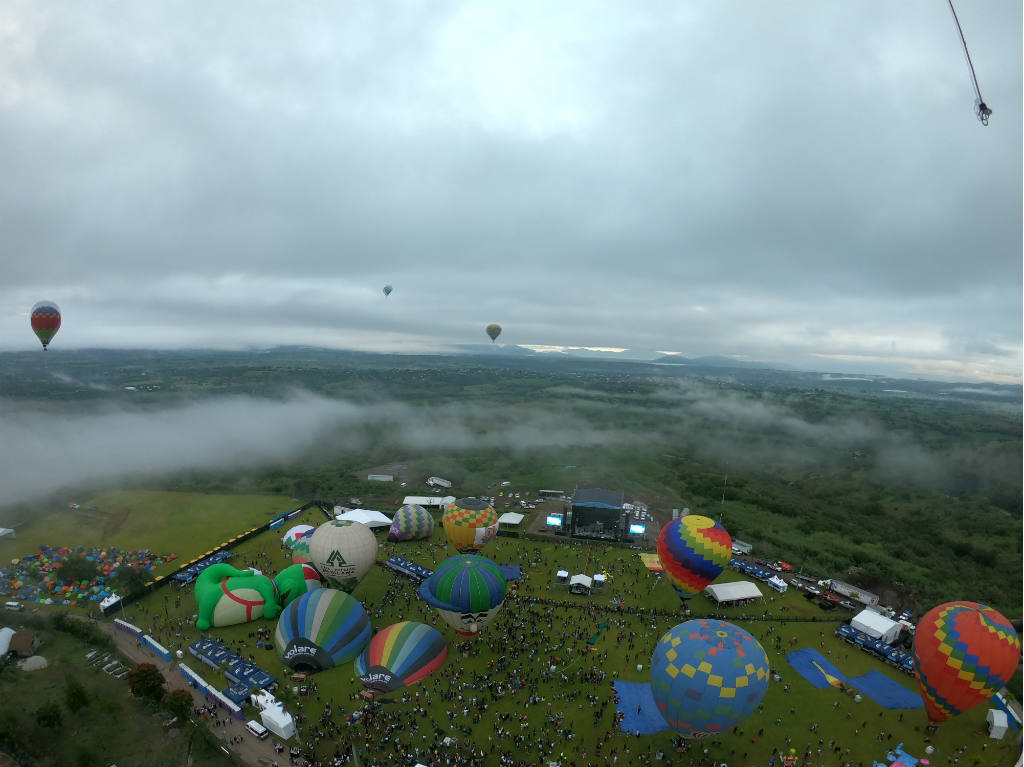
693 550
467 591
400 655
411 522
343 552
322 629
707 676
470 524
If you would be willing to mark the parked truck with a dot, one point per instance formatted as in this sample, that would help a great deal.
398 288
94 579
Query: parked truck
858 594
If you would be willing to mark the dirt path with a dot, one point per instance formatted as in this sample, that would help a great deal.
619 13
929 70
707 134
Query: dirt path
251 751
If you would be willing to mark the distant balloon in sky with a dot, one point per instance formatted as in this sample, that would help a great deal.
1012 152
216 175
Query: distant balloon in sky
493 330
964 652
707 676
45 321
387 290
693 550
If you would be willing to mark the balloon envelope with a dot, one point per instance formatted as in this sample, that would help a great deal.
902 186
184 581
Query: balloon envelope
467 590
964 652
707 676
693 550
343 552
387 290
410 523
400 655
322 629
493 330
288 539
470 524
45 321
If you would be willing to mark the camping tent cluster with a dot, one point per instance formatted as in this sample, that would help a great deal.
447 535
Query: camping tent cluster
37 577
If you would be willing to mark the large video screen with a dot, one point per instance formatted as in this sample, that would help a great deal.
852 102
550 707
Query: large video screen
554 521
637 529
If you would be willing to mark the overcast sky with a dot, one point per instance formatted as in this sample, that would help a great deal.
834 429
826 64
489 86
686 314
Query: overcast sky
797 182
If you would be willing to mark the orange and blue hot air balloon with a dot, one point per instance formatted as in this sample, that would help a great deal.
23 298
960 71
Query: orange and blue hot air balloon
400 655
693 550
45 321
470 524
707 676
964 652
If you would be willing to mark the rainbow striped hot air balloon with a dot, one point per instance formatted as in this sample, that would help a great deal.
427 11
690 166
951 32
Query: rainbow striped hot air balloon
400 655
964 652
410 523
693 550
707 676
470 524
322 629
467 590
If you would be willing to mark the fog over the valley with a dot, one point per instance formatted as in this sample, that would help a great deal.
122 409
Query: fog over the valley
61 450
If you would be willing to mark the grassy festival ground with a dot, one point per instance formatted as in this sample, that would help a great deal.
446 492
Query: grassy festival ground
189 525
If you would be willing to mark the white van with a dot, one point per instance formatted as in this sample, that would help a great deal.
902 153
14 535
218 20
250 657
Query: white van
16 606
256 729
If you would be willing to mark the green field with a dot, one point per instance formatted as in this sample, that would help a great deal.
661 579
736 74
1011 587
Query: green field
522 642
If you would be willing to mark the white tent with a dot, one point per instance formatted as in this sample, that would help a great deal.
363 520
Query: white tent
278 721
7 531
562 576
997 723
733 592
778 584
368 517
599 580
5 639
510 518
428 501
580 584
876 626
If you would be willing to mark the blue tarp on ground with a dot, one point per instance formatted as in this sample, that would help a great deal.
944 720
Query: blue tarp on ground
511 572
876 685
648 721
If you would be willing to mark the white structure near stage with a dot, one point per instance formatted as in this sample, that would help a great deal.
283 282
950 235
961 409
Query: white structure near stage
273 715
876 626
738 591
580 584
368 517
428 501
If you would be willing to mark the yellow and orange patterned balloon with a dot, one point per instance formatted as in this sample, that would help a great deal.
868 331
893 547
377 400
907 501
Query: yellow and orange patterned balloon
470 524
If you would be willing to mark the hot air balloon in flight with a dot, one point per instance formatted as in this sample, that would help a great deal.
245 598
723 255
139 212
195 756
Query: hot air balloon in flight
410 523
45 321
964 652
470 524
343 552
707 676
467 591
399 656
322 629
693 550
493 330
387 290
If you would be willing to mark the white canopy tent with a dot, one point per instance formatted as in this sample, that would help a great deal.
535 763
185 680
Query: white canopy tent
876 626
428 501
997 723
562 576
5 639
510 518
368 517
580 584
278 721
723 593
599 580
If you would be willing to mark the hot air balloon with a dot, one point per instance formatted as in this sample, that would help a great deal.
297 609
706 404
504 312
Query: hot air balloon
410 523
469 524
493 330
289 538
400 655
964 652
467 591
707 676
693 550
387 290
322 629
343 552
296 580
45 321
226 596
